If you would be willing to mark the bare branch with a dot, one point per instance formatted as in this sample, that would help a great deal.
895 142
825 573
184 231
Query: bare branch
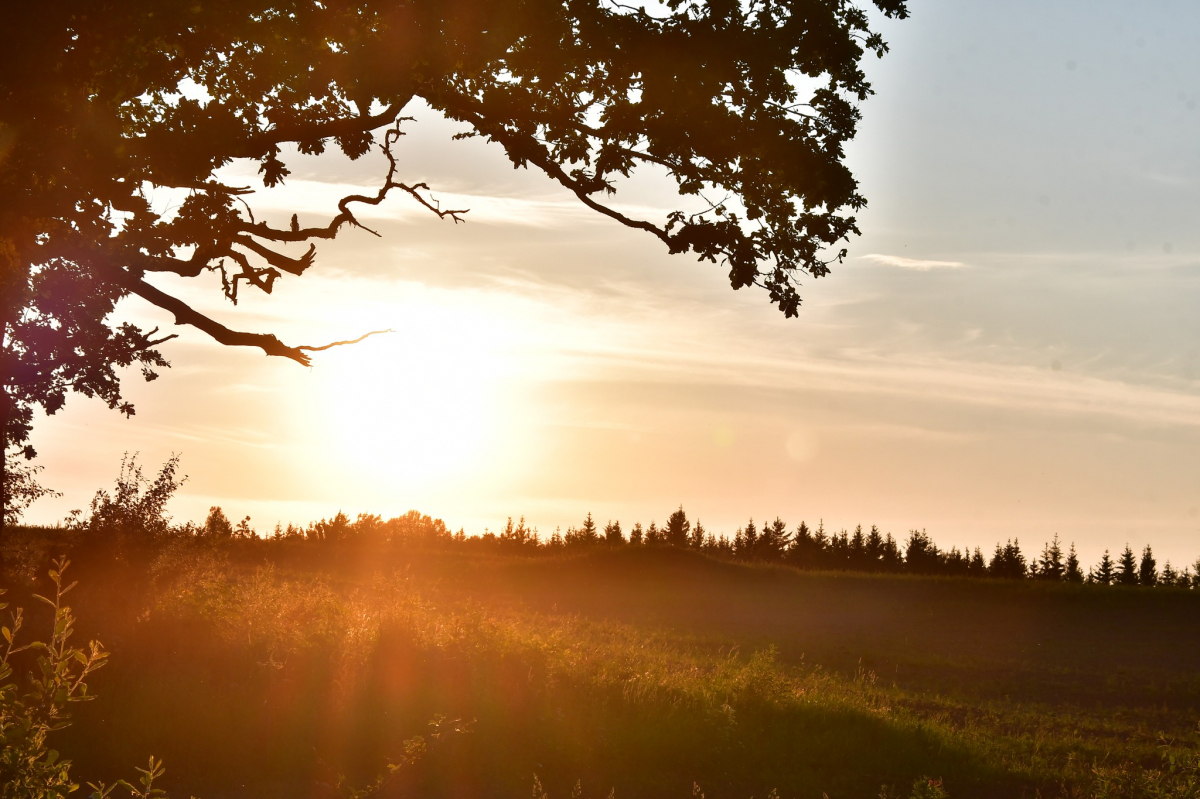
343 343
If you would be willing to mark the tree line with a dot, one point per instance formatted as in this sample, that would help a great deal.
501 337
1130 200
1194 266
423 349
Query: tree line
133 517
803 547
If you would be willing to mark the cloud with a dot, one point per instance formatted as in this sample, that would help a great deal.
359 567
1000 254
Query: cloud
911 263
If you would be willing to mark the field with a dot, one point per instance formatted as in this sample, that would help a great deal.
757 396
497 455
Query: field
257 668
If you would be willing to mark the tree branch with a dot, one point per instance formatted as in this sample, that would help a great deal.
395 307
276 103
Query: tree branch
342 343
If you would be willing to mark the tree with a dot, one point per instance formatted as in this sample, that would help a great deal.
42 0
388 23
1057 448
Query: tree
750 541
612 534
874 549
1104 573
858 549
217 524
921 555
587 532
677 529
698 540
1147 569
100 107
1008 561
1073 574
1127 568
1051 562
773 541
977 567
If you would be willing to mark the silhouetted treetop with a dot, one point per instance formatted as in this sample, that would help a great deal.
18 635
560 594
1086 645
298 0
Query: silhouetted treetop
744 105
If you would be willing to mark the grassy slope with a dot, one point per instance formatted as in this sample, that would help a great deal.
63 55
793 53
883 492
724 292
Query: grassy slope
639 671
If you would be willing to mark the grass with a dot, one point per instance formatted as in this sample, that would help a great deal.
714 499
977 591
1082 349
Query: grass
271 671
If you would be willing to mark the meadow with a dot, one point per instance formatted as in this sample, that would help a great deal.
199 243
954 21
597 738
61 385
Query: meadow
410 667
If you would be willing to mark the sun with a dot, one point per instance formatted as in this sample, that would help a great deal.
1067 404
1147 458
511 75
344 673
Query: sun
423 404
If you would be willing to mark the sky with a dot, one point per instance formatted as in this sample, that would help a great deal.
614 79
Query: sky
1010 349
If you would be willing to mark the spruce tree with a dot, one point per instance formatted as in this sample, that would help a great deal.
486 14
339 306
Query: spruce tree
637 536
750 539
677 528
1127 572
1105 571
1051 563
697 541
773 542
977 567
612 534
858 549
891 560
800 551
1073 573
1169 576
587 534
1147 569
874 549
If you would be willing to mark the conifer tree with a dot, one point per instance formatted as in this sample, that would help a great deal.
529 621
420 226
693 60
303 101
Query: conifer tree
636 535
800 551
773 542
1169 576
891 560
587 534
1051 563
750 540
1073 573
739 544
698 539
654 536
612 534
920 554
1008 561
1105 571
677 529
874 548
1147 569
858 549
977 567
1127 572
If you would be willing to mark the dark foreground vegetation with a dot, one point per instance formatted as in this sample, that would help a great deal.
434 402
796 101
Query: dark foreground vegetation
403 664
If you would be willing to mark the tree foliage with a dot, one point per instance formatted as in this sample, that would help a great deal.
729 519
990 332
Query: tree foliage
746 106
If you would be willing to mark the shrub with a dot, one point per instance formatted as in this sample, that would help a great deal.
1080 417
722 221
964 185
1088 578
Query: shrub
28 766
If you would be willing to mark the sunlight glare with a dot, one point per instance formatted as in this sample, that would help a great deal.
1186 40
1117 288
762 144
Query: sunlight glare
421 404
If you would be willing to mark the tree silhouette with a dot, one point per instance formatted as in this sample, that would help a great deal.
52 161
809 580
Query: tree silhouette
1073 573
1105 571
99 108
697 540
677 528
874 548
977 567
1147 569
921 556
1051 562
612 534
1008 561
773 541
1127 573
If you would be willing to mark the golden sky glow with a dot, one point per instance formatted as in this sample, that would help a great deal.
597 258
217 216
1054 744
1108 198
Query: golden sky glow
1010 349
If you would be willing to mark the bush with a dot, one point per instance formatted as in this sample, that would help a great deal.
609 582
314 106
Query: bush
28 766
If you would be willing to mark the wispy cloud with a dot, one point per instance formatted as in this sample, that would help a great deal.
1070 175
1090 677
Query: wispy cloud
911 263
